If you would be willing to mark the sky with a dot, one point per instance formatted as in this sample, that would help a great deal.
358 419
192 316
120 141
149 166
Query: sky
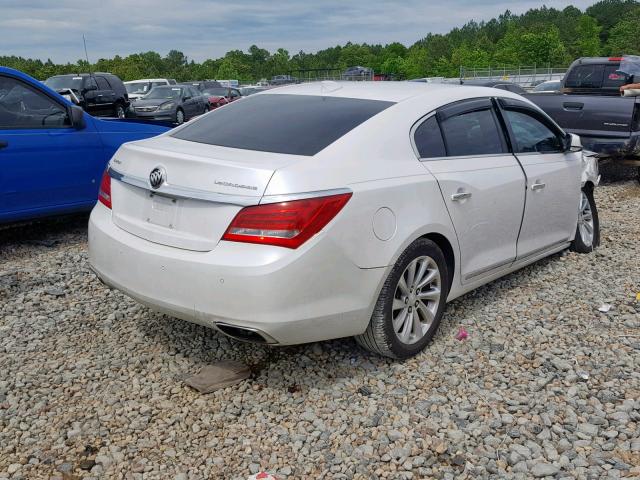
208 29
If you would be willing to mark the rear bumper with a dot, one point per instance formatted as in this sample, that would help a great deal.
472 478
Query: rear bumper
288 296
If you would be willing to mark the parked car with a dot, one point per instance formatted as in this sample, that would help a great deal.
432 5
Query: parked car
139 88
250 90
590 105
202 85
100 94
357 72
283 80
52 154
548 86
302 214
219 96
172 103
501 84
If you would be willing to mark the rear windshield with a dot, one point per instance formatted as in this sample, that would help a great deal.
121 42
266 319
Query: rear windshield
595 76
291 124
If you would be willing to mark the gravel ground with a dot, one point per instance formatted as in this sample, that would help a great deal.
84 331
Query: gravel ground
545 385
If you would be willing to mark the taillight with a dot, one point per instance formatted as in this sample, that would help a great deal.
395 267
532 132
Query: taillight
286 224
104 195
615 59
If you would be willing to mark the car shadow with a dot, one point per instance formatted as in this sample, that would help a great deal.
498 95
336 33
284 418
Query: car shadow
296 368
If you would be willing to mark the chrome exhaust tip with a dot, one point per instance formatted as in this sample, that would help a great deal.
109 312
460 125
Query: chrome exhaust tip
245 334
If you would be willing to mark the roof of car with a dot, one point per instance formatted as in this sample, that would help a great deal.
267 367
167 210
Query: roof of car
426 95
148 80
386 91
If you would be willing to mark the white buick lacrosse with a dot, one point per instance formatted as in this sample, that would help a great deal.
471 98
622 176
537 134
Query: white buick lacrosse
327 210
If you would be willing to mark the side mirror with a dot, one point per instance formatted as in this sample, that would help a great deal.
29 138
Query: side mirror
186 97
91 87
568 144
76 114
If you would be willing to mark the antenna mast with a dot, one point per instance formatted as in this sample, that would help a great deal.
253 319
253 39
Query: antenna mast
86 55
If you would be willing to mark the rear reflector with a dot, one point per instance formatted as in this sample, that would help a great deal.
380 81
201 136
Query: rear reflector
286 224
615 59
104 195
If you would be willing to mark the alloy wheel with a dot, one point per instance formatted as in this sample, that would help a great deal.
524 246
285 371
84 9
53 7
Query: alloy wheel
416 300
585 220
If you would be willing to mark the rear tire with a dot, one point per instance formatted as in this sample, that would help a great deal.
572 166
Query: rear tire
588 229
411 303
120 112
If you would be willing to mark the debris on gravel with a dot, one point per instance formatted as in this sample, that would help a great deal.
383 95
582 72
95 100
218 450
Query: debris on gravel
544 386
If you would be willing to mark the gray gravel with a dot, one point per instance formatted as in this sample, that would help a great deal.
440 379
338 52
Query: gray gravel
546 386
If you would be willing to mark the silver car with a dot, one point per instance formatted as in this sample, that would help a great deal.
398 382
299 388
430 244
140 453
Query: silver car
337 209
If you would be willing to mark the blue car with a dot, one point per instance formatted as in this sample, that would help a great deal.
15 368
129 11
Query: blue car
52 153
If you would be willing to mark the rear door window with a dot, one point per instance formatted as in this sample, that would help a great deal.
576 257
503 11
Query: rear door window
102 84
282 123
428 139
595 76
472 133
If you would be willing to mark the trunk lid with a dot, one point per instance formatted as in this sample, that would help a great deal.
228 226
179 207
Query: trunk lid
204 187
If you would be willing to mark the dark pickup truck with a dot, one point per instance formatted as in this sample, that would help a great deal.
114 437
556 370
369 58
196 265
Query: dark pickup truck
590 105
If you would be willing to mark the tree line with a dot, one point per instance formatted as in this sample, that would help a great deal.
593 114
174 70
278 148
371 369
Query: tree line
541 36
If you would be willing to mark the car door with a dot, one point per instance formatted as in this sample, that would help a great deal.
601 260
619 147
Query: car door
105 97
553 178
189 102
90 95
482 184
45 164
234 94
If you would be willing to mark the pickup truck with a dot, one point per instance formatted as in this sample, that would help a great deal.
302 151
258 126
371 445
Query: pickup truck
589 104
52 153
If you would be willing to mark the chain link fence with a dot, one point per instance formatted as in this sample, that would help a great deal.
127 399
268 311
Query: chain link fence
525 76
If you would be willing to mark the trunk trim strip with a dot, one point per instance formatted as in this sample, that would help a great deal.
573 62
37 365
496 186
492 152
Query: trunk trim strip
183 192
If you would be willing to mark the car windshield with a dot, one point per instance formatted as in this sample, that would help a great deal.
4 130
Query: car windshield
216 91
289 124
137 87
159 93
60 82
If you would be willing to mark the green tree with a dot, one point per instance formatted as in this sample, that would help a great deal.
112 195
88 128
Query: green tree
588 37
624 38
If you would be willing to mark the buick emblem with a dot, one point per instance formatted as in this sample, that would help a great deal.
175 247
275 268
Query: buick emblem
157 177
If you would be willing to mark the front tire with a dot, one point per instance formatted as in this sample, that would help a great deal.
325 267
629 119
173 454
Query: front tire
411 303
180 116
588 229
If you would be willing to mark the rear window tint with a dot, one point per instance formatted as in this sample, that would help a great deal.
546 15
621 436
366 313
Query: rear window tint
595 76
428 139
472 133
290 124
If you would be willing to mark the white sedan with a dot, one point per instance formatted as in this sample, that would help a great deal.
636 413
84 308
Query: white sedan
327 210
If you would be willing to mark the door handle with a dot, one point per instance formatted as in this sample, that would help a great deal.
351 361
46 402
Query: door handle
538 186
456 197
573 105
4 144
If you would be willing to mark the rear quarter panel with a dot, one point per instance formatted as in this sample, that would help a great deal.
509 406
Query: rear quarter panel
377 162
